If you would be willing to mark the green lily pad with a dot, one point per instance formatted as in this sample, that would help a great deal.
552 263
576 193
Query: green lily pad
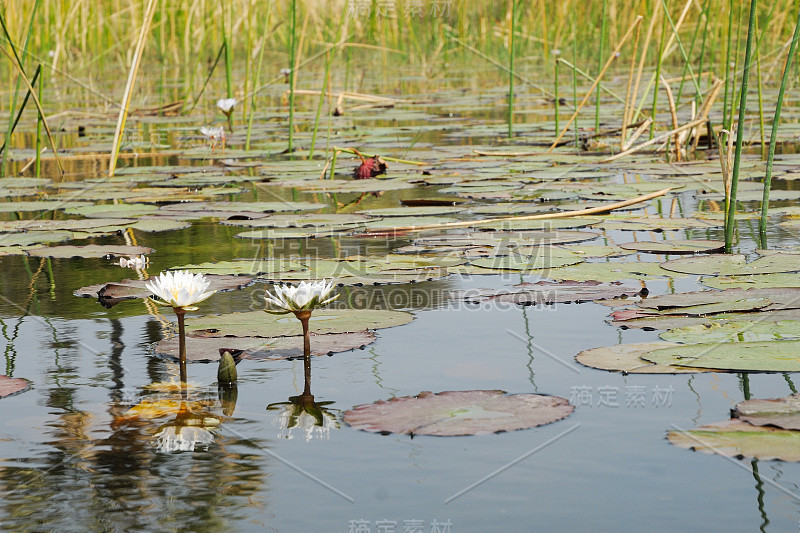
343 186
455 413
323 321
627 358
90 250
547 257
675 247
734 265
548 292
158 224
735 331
783 413
112 210
111 293
550 224
735 438
35 237
207 349
779 298
329 221
609 272
423 211
756 281
779 356
39 205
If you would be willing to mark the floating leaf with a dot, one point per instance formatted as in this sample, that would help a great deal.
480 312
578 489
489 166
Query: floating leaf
759 281
782 413
112 210
734 265
454 413
735 331
424 211
90 250
783 298
779 356
323 321
548 292
10 386
674 247
607 272
627 358
113 292
735 438
207 349
547 257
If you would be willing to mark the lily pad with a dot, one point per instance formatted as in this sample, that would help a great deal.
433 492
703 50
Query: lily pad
675 247
778 356
606 271
411 211
734 265
113 292
627 358
735 331
112 210
735 438
323 321
547 257
90 250
207 349
783 298
760 281
10 386
455 413
781 413
35 237
548 292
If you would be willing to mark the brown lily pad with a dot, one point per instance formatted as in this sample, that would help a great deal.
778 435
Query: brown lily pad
550 292
90 250
782 413
10 386
454 413
207 349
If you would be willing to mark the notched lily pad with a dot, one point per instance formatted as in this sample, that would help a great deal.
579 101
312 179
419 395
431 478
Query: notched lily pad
10 386
627 358
90 250
207 349
734 265
457 413
736 438
735 331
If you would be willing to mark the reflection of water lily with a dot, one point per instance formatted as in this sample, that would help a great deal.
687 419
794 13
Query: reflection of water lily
305 297
186 432
303 412
180 289
140 261
182 438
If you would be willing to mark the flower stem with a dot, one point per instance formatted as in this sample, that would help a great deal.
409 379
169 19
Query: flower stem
181 313
303 317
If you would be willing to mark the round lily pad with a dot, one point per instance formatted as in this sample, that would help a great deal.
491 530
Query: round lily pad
112 210
547 257
761 281
111 293
675 247
782 413
782 298
734 265
627 358
262 324
736 438
455 413
35 237
207 349
425 211
10 386
548 292
778 356
90 250
606 271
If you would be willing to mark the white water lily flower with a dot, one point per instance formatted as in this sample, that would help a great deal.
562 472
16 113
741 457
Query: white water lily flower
180 289
226 105
305 297
214 134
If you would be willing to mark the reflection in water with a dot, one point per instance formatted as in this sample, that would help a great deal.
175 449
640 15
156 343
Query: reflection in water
313 419
186 432
760 498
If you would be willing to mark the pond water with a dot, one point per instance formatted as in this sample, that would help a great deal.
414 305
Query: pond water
73 459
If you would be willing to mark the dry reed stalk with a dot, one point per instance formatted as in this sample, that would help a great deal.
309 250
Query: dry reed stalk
633 115
636 134
597 81
626 109
126 99
545 216
655 140
705 108
674 113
